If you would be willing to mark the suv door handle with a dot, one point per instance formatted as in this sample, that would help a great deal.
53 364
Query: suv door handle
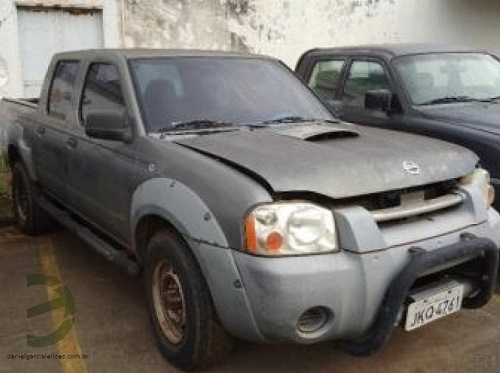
40 130
72 142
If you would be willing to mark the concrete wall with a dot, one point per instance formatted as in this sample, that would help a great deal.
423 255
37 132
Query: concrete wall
285 28
282 28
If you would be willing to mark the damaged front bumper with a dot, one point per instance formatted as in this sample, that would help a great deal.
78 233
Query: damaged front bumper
421 261
353 296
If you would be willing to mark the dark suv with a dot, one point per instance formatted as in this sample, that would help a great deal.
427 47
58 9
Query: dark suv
450 93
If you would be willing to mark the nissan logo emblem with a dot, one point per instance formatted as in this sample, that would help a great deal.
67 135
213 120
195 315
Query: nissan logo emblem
411 167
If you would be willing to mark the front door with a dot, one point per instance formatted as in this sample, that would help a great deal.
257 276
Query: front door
102 173
363 76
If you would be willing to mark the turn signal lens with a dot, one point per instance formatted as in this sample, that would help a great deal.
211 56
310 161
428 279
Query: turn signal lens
251 236
481 178
490 195
274 241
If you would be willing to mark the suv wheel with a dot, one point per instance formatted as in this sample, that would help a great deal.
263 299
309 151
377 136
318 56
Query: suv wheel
183 317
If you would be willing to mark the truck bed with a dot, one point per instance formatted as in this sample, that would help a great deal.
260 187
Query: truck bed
29 102
10 108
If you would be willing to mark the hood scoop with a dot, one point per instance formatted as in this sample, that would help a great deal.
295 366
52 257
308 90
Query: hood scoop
316 132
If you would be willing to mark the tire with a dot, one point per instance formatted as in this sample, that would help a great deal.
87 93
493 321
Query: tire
189 334
30 218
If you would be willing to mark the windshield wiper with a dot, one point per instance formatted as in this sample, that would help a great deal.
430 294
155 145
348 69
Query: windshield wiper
204 124
296 119
197 124
450 99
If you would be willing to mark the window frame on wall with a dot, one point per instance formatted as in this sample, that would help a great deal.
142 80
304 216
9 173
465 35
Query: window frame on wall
73 94
53 18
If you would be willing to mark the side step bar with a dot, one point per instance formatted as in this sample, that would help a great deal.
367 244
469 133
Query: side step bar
113 255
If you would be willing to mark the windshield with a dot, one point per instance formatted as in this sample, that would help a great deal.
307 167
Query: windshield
449 77
239 91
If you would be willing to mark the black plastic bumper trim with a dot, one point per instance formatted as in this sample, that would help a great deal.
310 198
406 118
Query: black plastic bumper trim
422 261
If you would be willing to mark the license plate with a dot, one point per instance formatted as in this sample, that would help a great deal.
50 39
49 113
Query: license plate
433 304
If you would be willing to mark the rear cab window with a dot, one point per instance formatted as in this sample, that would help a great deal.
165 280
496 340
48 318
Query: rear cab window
102 90
325 78
61 89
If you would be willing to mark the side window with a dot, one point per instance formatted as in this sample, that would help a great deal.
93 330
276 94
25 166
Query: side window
61 88
325 77
102 90
363 76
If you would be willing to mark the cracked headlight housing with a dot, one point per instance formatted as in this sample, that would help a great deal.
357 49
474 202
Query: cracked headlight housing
290 228
481 178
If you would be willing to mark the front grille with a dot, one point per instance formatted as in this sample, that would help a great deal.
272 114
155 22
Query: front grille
418 207
410 202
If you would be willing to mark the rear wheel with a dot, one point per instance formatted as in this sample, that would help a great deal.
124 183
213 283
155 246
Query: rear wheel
187 330
31 219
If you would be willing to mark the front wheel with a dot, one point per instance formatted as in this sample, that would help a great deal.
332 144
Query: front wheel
187 330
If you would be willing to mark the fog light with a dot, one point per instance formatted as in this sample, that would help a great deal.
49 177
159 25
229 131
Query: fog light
313 319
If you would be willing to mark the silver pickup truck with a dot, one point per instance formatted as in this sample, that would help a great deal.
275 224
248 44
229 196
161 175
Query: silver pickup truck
249 211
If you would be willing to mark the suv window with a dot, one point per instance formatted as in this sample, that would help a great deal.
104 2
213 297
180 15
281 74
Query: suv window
102 89
363 76
61 88
325 77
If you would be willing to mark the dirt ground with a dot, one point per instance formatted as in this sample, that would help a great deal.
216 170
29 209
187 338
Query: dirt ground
6 216
112 327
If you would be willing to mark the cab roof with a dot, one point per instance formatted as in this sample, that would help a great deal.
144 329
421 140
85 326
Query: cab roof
133 53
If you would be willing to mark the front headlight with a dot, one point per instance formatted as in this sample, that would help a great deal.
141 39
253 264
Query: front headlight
290 228
481 178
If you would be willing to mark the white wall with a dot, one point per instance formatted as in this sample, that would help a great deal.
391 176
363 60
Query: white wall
285 28
282 28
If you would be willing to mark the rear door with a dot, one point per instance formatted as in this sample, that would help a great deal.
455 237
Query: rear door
51 147
324 80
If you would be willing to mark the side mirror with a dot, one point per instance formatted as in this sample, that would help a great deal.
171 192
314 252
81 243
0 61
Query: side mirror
108 125
379 99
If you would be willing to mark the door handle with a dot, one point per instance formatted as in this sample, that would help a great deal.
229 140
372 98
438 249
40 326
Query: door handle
72 142
40 130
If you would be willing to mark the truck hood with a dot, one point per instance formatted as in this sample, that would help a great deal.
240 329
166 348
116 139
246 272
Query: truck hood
483 116
337 161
